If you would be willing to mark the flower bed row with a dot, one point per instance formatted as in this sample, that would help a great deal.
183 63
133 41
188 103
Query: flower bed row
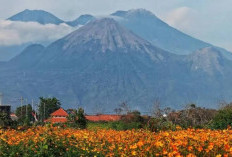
55 141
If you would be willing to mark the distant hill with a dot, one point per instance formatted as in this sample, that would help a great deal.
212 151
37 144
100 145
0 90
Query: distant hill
82 20
39 16
8 52
27 58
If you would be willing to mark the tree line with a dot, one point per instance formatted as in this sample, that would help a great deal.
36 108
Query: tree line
161 118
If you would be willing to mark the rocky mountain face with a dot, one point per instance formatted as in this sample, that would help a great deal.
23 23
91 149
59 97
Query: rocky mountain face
103 64
208 59
39 16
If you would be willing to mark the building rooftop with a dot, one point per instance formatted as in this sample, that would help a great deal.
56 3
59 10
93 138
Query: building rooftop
60 112
96 118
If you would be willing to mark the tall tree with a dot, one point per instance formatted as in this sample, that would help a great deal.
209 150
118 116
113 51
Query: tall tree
47 106
24 113
82 122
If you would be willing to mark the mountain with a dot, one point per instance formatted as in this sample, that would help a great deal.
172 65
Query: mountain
145 24
39 16
207 79
103 64
27 58
8 52
142 22
82 20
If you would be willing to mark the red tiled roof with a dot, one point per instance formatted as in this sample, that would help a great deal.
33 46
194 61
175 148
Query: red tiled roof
96 118
59 112
13 115
57 120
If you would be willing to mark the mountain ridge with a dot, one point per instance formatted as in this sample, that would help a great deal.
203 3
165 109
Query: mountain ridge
40 16
148 26
81 20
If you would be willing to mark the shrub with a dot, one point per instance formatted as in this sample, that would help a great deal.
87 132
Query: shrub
121 125
192 116
77 119
5 120
159 124
223 118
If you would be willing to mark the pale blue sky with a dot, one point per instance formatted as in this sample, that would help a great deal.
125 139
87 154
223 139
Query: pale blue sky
208 20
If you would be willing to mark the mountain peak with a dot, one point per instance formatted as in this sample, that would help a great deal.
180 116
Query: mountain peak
107 34
40 16
81 20
133 12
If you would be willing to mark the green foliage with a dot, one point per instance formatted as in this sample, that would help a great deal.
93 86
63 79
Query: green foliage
24 113
192 116
99 125
47 106
77 119
120 125
223 118
158 124
81 121
5 120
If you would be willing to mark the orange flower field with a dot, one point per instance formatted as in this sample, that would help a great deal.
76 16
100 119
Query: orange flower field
55 141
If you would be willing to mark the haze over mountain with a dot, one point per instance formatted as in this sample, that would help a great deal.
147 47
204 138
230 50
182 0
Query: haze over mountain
103 64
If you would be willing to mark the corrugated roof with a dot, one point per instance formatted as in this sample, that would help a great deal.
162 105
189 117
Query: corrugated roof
57 120
60 112
96 118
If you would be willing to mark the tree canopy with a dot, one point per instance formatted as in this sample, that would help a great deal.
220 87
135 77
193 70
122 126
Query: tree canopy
47 106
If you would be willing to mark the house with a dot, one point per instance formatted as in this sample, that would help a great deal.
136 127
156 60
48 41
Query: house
59 116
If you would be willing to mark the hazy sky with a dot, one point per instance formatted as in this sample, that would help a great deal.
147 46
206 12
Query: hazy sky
208 20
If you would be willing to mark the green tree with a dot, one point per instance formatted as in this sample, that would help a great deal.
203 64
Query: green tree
77 118
5 119
24 113
47 106
81 120
223 118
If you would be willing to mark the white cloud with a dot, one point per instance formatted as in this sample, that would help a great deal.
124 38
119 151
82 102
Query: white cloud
16 33
182 17
205 25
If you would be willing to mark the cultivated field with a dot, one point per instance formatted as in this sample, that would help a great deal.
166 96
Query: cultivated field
55 141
